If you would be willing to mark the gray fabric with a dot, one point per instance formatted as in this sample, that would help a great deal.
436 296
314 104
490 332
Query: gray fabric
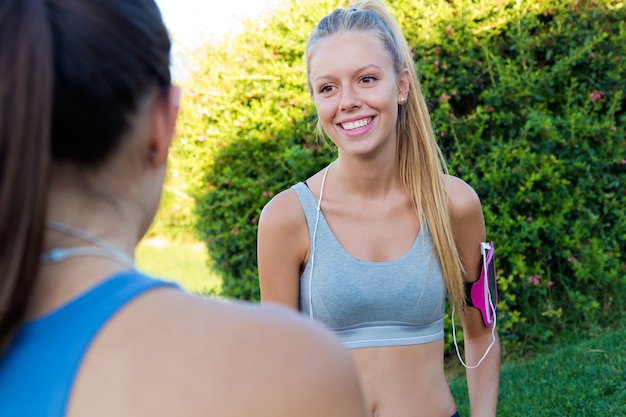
371 304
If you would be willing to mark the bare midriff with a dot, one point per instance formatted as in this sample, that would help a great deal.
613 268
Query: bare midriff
404 381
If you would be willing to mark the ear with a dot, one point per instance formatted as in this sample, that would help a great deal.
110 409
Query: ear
164 116
403 85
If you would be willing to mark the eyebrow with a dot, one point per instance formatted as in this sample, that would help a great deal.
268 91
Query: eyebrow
361 69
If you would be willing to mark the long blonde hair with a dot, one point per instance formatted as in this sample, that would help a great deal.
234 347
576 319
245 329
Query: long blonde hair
422 165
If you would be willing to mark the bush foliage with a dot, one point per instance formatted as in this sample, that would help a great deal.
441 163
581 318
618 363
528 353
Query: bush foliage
527 98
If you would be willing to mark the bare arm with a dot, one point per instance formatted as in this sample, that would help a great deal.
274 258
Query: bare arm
319 378
282 248
469 230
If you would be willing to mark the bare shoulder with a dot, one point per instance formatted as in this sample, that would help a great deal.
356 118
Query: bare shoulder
283 210
464 201
280 363
282 248
468 225
236 359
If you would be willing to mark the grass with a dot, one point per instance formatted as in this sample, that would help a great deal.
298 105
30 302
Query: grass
183 262
583 378
587 378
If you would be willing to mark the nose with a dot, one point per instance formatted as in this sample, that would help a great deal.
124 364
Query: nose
349 99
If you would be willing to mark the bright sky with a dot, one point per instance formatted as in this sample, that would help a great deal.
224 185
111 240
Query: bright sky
192 21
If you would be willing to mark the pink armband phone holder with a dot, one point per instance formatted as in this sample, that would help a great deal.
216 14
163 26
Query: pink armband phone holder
483 293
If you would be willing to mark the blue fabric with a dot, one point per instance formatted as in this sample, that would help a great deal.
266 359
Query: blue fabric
38 369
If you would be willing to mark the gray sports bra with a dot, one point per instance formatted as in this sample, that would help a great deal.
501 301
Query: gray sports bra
371 304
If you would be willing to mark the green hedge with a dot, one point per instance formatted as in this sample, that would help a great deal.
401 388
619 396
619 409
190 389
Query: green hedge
530 110
252 117
527 98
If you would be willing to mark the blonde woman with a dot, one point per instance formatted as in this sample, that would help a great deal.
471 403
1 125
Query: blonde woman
371 245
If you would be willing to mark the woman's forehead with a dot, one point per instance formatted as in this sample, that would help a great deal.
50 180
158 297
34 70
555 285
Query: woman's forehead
348 49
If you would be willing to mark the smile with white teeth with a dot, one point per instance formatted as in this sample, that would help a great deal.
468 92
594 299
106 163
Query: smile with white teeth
356 124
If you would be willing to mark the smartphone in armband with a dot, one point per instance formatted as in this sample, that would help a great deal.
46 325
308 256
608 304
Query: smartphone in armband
483 293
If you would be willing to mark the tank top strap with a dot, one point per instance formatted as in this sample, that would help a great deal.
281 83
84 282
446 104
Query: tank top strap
46 353
308 203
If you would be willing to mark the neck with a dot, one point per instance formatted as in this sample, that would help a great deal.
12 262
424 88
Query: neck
92 207
96 247
371 179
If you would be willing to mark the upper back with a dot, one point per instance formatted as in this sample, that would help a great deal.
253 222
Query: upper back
43 358
122 350
172 354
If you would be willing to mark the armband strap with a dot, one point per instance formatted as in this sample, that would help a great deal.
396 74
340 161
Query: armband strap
483 293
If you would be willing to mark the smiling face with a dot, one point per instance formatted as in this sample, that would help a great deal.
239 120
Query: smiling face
356 91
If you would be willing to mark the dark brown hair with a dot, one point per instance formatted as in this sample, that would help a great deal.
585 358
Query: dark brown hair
72 73
25 108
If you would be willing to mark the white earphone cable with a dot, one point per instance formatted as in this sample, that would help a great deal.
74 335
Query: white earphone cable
493 327
317 219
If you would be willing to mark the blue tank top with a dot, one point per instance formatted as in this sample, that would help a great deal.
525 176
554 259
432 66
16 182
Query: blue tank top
371 304
38 369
